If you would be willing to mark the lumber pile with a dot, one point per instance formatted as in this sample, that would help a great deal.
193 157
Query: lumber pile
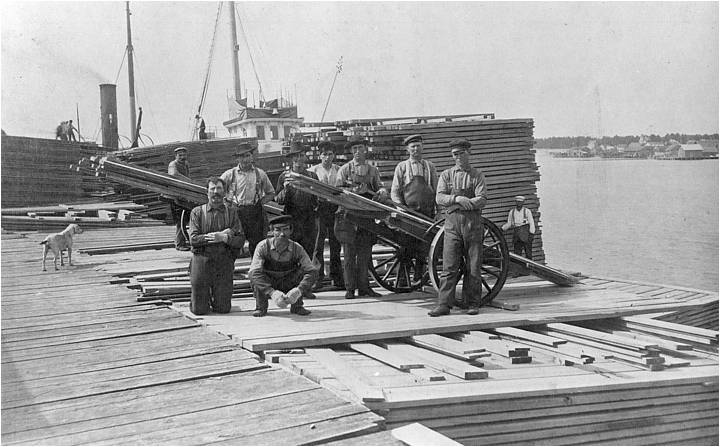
705 316
34 167
502 149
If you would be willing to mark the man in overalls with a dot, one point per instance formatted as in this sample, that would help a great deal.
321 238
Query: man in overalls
301 205
360 177
462 193
413 188
249 188
215 232
520 221
281 270
327 173
180 169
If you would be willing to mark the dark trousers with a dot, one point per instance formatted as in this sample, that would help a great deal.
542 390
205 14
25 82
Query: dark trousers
357 257
326 225
211 279
252 219
305 230
463 241
180 223
520 246
283 284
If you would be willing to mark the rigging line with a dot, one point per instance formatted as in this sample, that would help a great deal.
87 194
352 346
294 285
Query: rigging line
192 125
122 62
144 89
252 62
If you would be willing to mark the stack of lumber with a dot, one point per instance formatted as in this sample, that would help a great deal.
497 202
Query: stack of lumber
35 171
502 149
705 316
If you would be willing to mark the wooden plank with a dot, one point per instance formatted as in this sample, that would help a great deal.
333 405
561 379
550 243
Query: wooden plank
681 328
359 385
383 355
418 434
440 362
624 342
529 335
448 346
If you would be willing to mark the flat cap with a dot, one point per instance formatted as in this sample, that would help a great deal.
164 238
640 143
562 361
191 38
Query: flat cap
412 138
355 139
180 149
461 143
296 147
243 148
325 146
280 220
519 198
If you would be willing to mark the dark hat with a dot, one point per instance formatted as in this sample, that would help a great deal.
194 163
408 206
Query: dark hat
280 220
296 147
179 149
355 139
411 138
460 143
243 148
325 146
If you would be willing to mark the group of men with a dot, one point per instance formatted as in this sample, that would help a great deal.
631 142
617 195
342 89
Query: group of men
288 263
65 131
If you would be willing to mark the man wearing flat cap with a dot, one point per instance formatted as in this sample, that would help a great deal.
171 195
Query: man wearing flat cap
249 188
327 172
180 169
359 177
462 194
301 205
281 270
520 221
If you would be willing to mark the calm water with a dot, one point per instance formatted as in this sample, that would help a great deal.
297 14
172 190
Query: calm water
645 220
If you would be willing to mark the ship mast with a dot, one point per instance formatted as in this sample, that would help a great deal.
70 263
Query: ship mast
235 50
131 78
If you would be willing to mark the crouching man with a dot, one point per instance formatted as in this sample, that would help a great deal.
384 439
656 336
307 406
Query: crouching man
215 236
281 270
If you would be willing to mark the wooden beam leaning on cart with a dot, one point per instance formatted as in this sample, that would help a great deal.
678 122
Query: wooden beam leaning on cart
462 194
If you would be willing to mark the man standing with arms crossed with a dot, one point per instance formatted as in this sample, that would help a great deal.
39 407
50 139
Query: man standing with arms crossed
249 188
462 193
327 172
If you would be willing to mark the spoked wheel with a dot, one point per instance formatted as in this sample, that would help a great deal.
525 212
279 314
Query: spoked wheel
399 271
185 217
495 261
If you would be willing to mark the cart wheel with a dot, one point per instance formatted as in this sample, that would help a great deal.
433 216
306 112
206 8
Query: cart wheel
496 260
396 271
185 217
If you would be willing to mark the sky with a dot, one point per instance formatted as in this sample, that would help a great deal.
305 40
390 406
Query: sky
576 68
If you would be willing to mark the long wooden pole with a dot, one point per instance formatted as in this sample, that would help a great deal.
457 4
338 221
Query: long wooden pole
131 77
235 50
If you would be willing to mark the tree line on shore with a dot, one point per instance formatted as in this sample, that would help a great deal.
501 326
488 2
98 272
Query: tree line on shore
582 141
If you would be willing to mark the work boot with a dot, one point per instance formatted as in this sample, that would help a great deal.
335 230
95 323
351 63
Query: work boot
182 248
309 295
473 310
300 311
439 310
349 295
369 292
260 312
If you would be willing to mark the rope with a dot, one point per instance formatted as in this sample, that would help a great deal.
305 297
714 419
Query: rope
252 62
208 71
122 62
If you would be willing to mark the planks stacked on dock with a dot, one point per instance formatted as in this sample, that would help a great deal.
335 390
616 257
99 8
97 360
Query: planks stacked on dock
502 149
35 171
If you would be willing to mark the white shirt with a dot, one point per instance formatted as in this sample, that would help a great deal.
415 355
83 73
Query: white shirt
519 218
327 176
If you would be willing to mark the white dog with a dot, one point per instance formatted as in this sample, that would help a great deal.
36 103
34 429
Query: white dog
58 242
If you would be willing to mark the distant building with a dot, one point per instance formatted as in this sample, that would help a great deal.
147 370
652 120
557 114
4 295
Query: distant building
690 151
633 150
710 148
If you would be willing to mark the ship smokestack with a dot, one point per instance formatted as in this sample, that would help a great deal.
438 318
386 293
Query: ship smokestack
108 115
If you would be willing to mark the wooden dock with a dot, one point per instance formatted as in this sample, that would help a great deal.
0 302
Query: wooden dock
88 360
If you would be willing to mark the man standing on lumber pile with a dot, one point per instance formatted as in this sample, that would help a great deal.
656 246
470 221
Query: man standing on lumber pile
327 172
281 270
413 188
302 206
249 188
521 222
215 236
360 177
180 169
462 193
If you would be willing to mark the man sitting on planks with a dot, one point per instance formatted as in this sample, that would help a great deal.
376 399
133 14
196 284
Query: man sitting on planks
281 270
462 193
215 238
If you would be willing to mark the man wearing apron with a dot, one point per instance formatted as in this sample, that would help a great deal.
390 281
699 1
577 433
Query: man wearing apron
301 205
327 173
413 187
360 177
180 169
249 188
281 270
214 232
520 221
462 193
